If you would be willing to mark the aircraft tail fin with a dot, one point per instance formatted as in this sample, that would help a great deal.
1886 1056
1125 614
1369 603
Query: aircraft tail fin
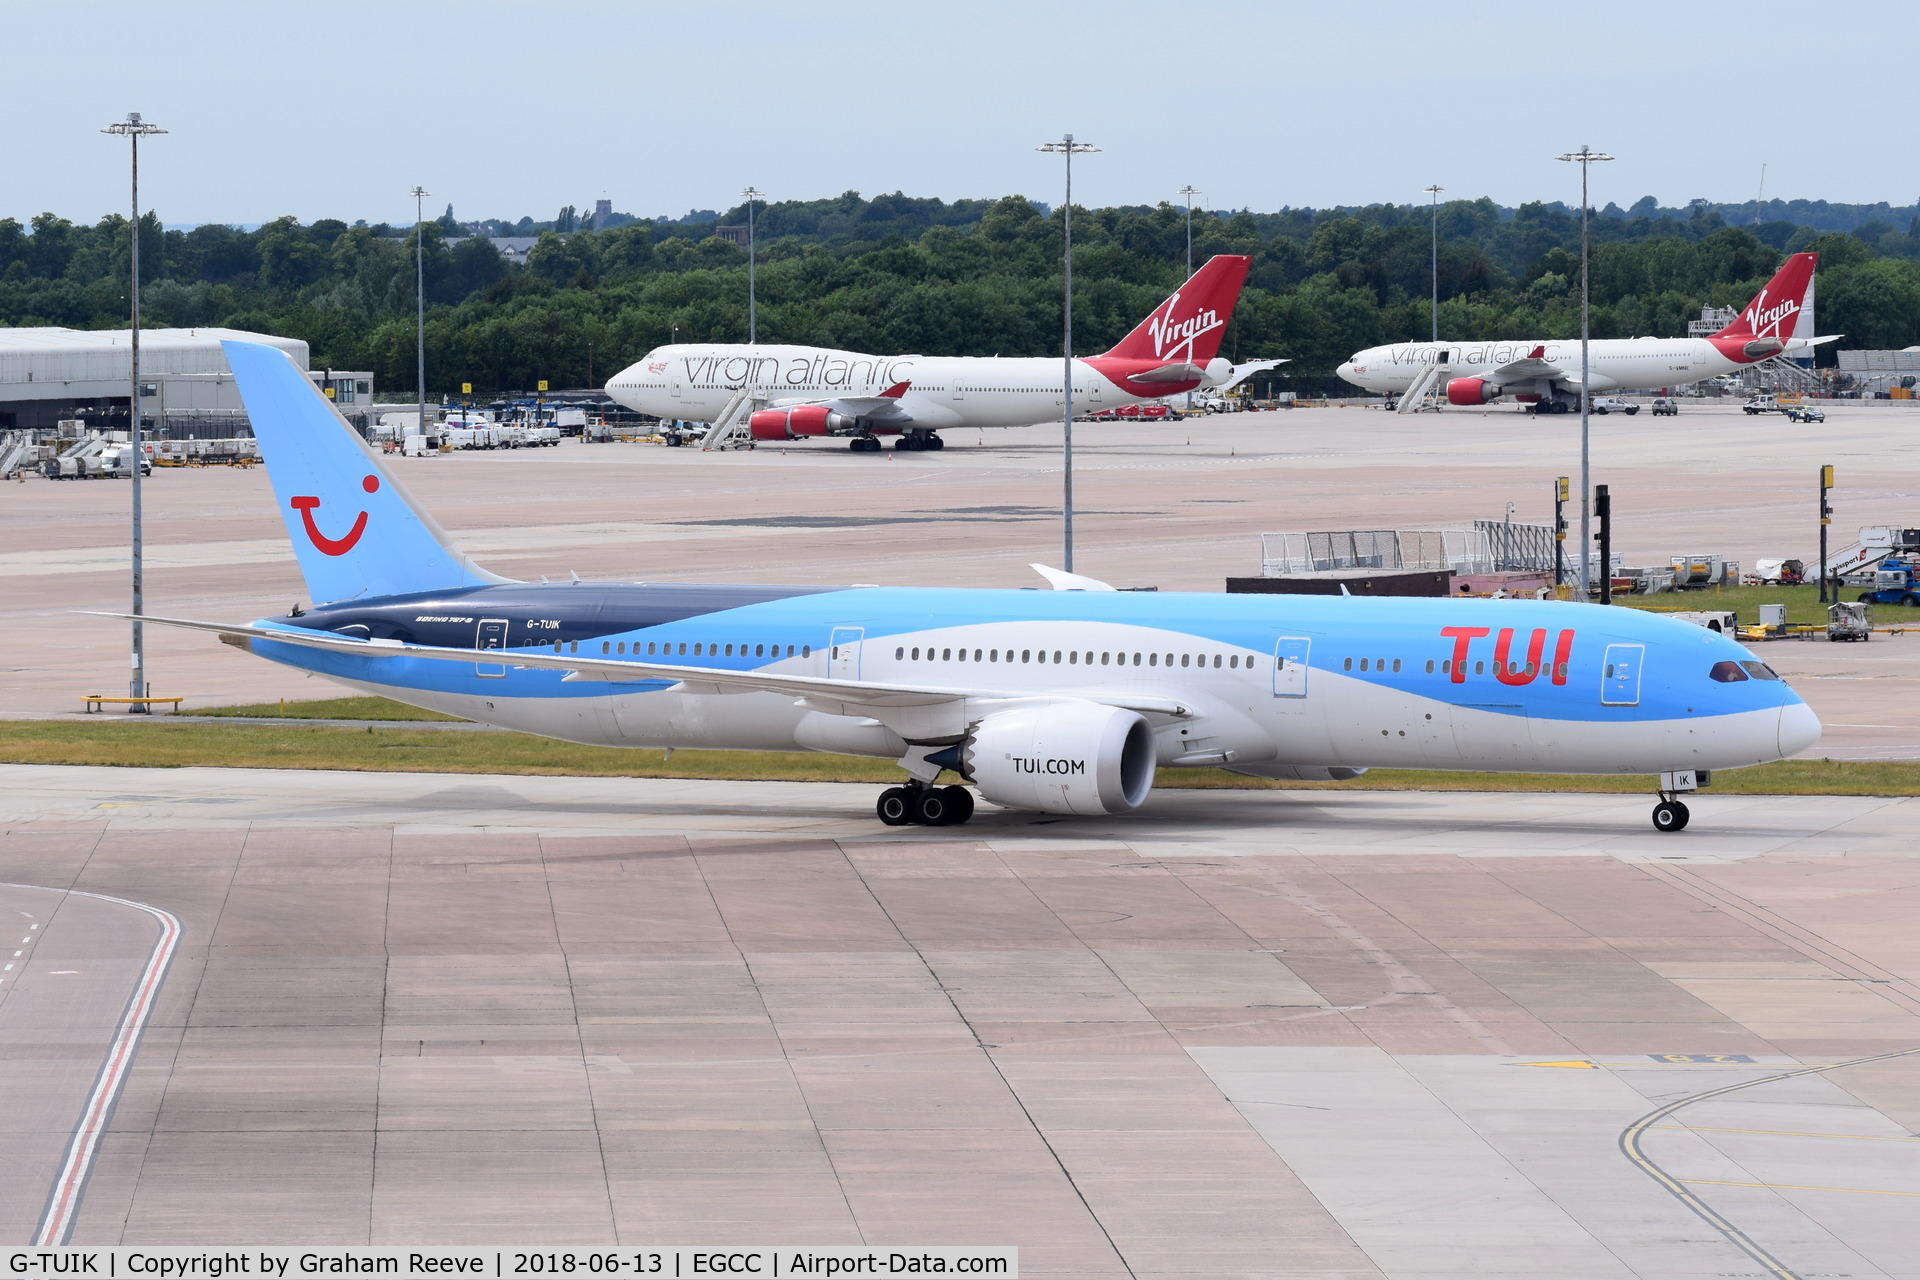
1776 311
1189 325
356 531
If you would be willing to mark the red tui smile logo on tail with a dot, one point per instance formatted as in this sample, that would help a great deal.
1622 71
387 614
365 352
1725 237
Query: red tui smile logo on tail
333 546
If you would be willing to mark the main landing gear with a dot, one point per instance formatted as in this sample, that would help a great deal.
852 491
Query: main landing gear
911 442
928 806
1671 813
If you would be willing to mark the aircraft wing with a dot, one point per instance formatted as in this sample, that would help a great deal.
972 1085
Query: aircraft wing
1239 373
1534 366
1525 369
1184 372
862 693
884 405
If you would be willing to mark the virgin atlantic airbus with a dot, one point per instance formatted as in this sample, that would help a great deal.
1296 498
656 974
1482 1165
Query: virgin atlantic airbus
789 393
1779 321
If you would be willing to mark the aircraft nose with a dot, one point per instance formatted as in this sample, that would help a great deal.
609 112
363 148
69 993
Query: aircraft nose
1799 729
1346 371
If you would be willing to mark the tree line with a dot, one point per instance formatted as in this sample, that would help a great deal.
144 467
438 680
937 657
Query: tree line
899 275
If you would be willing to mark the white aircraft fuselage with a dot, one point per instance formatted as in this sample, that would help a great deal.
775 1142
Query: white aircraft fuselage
1614 362
696 381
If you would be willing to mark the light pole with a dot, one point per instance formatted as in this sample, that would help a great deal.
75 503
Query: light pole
1585 157
1189 191
1067 148
1434 192
750 195
419 195
133 129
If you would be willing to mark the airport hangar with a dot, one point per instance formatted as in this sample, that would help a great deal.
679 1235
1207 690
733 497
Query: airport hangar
51 375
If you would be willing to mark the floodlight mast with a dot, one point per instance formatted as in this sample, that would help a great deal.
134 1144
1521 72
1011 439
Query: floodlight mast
419 195
1067 148
133 128
1434 192
751 195
1585 157
1189 191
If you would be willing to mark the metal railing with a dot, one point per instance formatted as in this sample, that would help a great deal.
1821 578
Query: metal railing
1461 550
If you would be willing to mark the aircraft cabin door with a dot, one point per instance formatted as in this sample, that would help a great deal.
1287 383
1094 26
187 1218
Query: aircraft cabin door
844 648
1620 677
1290 671
491 634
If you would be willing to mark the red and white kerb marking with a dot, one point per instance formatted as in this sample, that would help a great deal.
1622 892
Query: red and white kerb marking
63 1200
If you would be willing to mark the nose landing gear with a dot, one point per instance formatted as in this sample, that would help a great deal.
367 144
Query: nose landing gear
1671 813
917 803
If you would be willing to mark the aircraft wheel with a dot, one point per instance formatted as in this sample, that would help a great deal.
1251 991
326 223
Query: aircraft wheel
933 807
961 801
910 443
895 807
1670 815
936 443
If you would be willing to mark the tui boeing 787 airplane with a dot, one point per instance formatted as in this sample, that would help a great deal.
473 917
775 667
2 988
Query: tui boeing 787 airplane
1065 701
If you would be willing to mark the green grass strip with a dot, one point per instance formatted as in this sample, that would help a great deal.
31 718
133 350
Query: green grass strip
156 743
365 708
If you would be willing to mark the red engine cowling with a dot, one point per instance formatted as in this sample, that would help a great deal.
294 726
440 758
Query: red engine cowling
791 424
1471 391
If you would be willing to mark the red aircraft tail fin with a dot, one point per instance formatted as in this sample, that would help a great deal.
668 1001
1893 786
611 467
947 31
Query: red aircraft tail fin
1188 326
1776 308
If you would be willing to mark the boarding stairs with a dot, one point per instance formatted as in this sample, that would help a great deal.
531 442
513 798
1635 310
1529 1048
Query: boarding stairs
1780 374
13 453
729 430
1428 390
1877 543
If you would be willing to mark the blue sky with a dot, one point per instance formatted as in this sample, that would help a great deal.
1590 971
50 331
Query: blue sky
511 109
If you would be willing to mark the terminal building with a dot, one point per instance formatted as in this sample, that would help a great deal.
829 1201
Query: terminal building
52 375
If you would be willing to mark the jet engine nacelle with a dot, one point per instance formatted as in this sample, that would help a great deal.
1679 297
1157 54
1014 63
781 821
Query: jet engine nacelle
1066 757
802 420
1471 391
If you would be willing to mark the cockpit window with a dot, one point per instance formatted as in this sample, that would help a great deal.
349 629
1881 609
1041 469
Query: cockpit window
1760 671
1728 672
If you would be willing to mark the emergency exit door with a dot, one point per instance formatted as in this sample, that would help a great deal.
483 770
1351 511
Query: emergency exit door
1620 676
492 634
845 652
1290 666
